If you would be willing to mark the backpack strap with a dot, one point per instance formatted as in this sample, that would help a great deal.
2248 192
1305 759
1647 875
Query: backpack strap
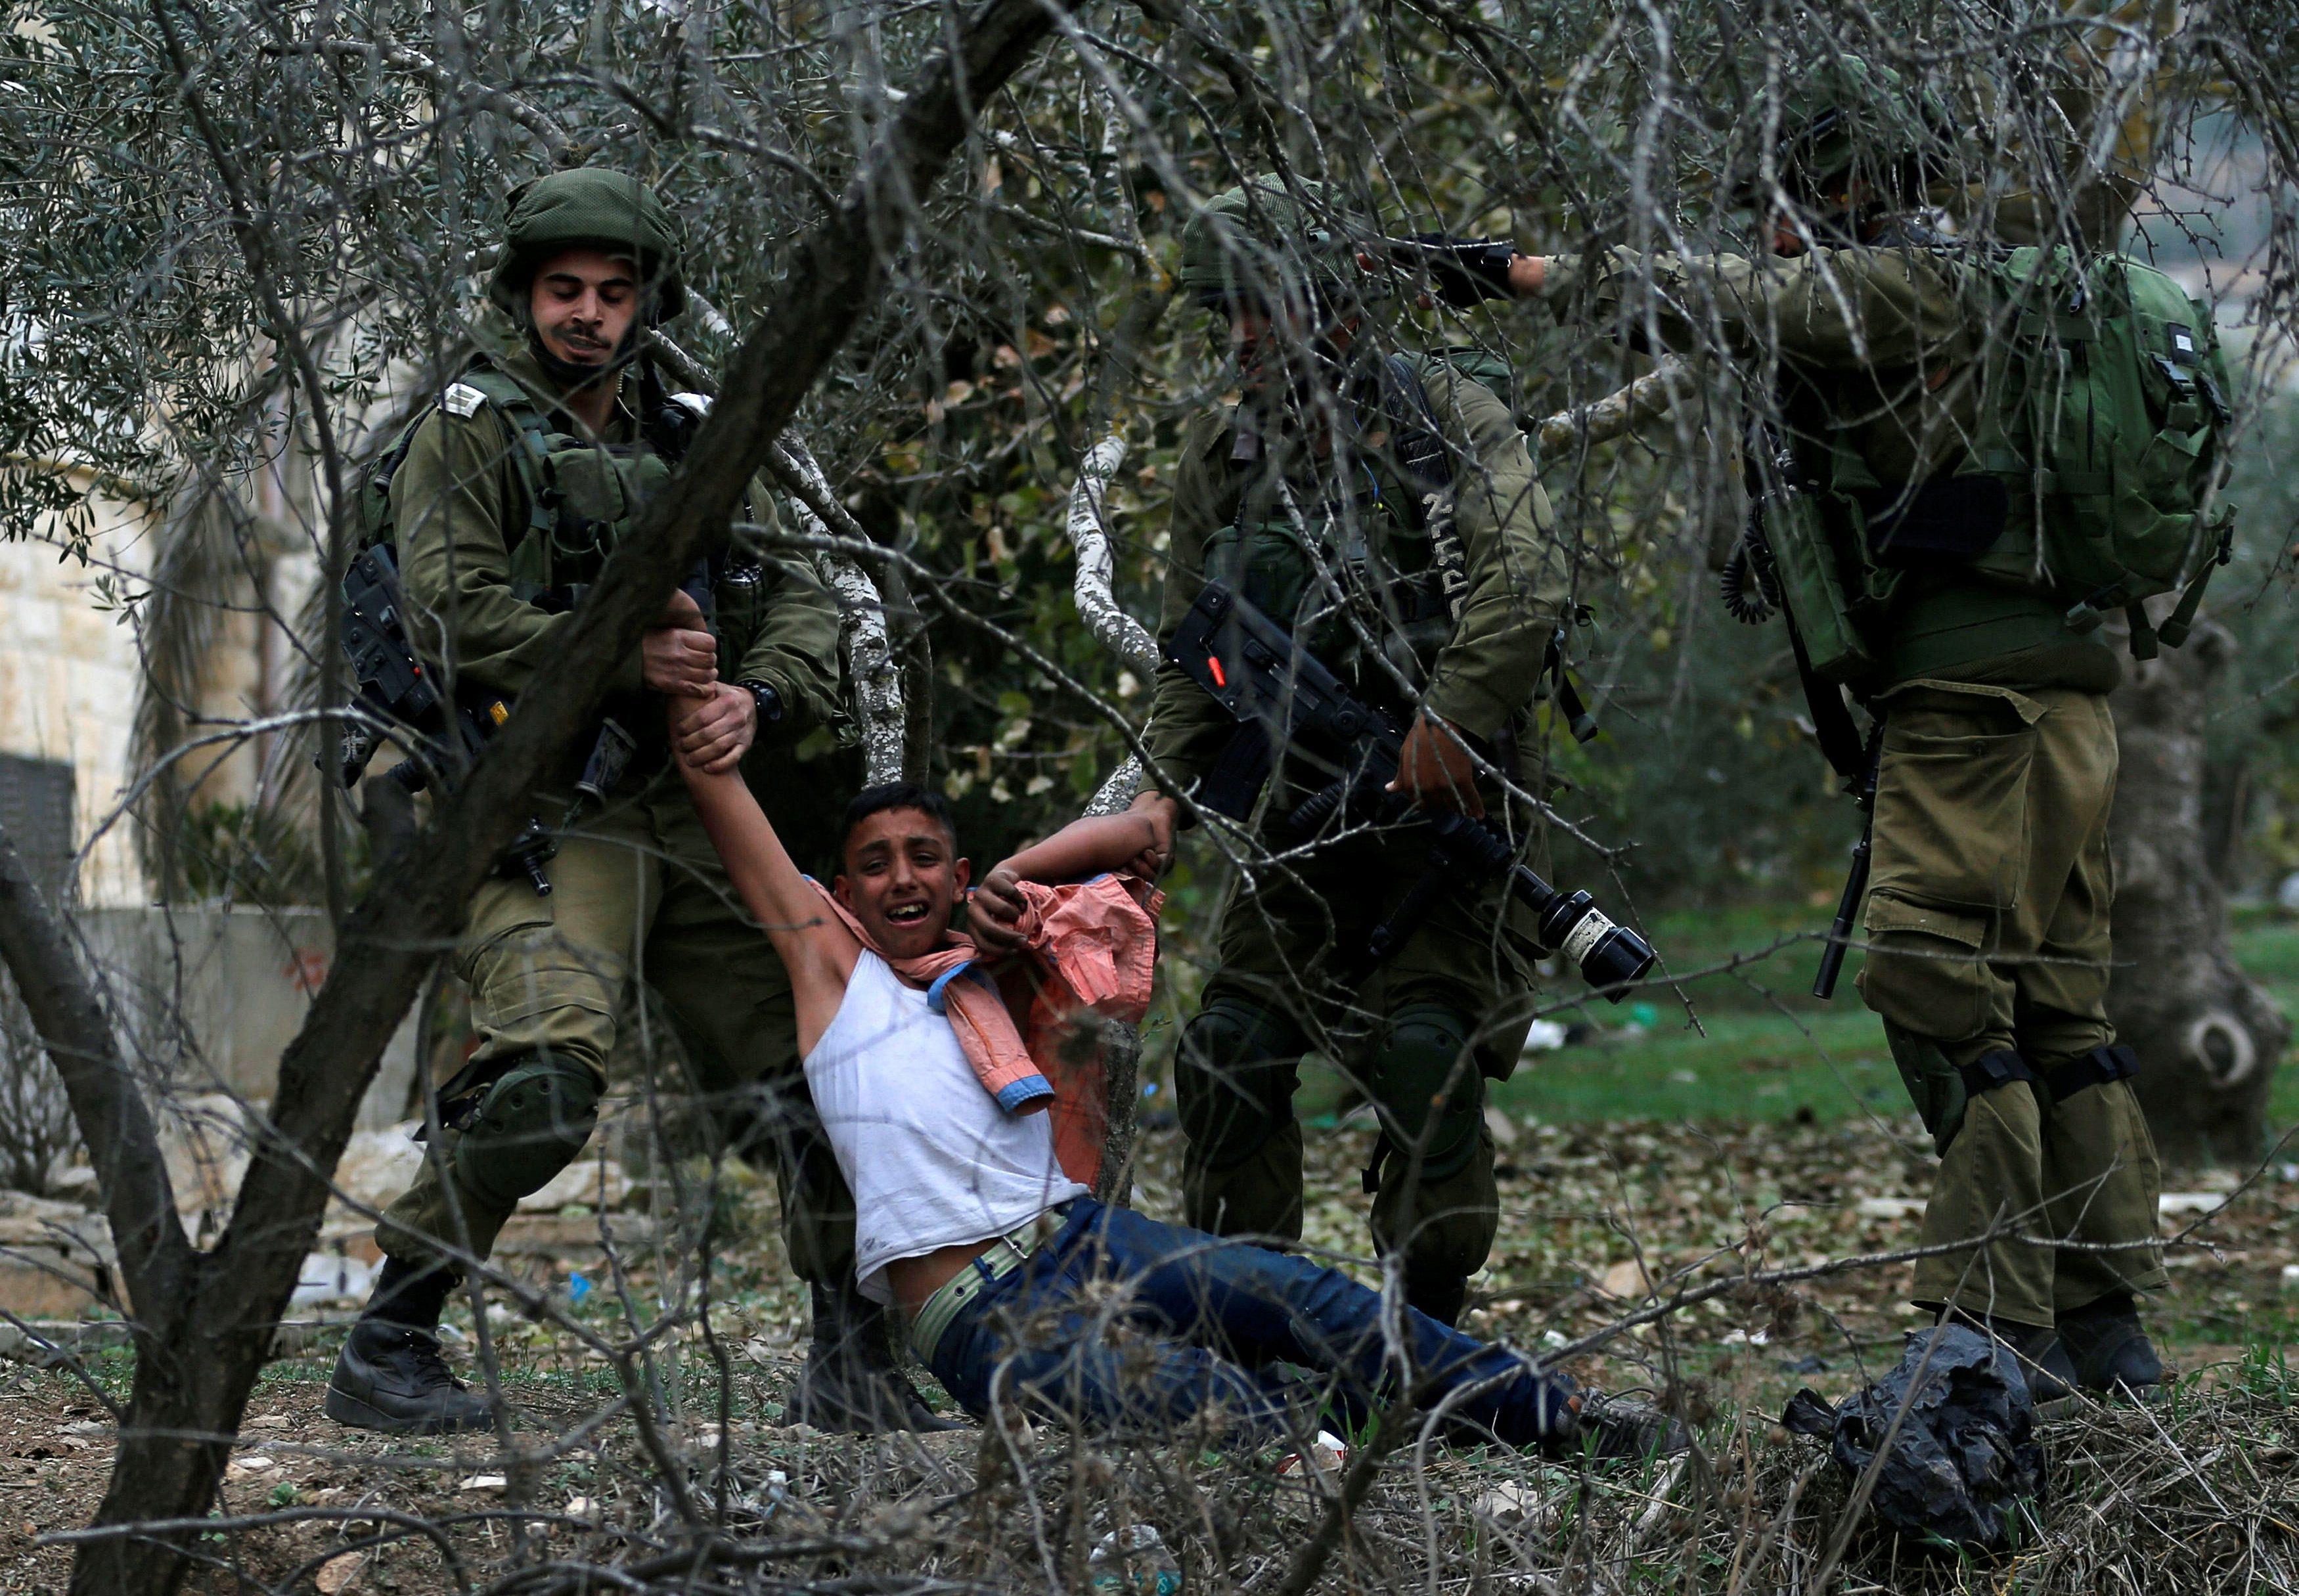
483 385
2182 619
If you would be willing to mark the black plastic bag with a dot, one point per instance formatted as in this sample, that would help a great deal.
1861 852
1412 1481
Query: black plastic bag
1964 1456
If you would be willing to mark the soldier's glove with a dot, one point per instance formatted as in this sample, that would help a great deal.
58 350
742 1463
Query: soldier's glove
1464 271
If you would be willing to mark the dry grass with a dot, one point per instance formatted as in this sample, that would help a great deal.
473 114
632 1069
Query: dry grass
2197 1496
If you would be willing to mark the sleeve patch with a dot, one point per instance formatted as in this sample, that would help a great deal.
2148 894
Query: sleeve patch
461 399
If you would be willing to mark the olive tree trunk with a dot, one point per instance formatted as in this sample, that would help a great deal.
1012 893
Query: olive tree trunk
2209 1038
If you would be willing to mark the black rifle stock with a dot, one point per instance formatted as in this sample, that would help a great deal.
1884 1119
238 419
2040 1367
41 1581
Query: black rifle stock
1285 698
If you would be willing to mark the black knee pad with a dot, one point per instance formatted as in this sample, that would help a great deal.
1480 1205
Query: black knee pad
530 1124
1428 1084
1234 1077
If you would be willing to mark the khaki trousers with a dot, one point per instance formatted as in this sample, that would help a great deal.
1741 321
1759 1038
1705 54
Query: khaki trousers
638 893
1987 928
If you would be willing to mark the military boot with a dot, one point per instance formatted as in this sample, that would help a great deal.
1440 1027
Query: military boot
2110 1349
390 1376
2043 1358
852 1384
1437 1293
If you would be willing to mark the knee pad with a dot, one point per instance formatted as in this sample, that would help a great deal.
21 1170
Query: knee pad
1235 1078
1428 1084
530 1124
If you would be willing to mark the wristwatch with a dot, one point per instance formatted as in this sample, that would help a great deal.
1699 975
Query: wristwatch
770 701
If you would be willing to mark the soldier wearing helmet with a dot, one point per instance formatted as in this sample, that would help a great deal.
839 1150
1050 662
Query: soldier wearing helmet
501 502
1383 505
1905 444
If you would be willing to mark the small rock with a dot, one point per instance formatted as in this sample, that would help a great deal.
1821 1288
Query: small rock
1503 1127
336 1574
1327 1455
1626 1281
252 1464
2189 1202
1890 1208
1545 1036
581 1507
1513 1502
268 1421
2291 1277
484 1482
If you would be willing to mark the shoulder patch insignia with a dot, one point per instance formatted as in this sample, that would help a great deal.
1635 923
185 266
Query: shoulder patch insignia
461 398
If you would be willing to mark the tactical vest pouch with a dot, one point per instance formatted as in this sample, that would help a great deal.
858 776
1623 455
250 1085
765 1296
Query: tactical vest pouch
598 492
1828 609
1265 562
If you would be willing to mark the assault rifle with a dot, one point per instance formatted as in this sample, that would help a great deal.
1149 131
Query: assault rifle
442 734
1283 698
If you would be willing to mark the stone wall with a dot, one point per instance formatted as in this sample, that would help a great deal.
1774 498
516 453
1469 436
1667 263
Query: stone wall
68 680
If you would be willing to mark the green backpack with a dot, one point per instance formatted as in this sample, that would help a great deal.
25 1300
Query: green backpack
2109 416
2103 412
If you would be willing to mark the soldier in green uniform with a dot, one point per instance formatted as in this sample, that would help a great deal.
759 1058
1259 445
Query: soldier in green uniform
501 502
1987 917
1384 508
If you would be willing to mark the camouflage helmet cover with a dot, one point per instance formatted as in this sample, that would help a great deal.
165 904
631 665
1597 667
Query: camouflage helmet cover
594 206
1845 116
1263 239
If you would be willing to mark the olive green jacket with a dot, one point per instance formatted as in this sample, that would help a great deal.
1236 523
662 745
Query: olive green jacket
1882 337
1486 676
458 508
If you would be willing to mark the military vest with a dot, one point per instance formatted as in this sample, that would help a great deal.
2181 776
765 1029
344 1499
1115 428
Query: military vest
1368 553
581 498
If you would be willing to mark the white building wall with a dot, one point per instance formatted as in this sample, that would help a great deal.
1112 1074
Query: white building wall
68 681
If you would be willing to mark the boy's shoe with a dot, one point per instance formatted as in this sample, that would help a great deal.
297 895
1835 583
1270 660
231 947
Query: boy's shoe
391 1377
2108 1350
1623 1429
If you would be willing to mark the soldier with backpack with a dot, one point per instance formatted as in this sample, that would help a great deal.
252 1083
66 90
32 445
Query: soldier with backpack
500 502
1382 506
1971 453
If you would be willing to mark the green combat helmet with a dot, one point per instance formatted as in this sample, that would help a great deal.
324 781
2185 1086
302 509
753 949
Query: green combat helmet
589 205
1263 241
1847 117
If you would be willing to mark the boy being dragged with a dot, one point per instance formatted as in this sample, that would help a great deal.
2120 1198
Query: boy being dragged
967 1218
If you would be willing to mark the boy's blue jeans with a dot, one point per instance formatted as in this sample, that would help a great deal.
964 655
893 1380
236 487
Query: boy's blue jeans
1218 1313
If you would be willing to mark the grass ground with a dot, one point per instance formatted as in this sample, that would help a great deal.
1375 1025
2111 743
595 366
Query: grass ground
1773 1137
1770 1050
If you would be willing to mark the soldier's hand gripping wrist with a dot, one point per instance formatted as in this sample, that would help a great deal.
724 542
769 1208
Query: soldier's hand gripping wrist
1436 771
1164 816
679 656
715 736
993 909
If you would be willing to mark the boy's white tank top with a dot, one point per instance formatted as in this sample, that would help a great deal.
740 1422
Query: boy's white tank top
931 1158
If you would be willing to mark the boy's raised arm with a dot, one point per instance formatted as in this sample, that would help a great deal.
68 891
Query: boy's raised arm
1131 841
815 946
